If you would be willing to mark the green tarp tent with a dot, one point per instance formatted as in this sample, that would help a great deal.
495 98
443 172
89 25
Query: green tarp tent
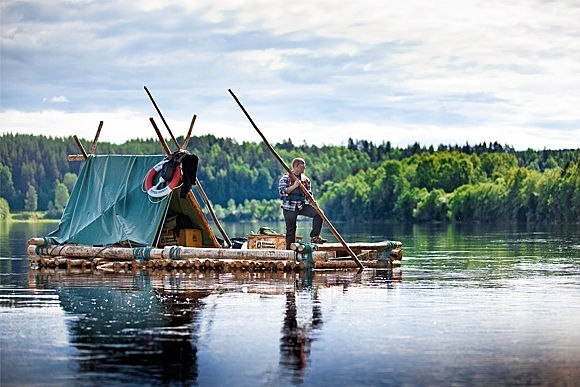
108 204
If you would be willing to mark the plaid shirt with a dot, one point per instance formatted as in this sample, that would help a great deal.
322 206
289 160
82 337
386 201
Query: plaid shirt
283 184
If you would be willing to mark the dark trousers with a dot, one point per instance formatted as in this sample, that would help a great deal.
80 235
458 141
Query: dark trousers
290 219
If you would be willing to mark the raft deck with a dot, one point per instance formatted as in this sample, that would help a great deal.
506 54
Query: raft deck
116 258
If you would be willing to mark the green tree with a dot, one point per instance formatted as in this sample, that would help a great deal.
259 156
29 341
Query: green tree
4 209
496 165
69 180
432 207
31 199
61 196
7 190
407 203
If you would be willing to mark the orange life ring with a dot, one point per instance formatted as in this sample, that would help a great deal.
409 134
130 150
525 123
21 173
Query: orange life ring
162 188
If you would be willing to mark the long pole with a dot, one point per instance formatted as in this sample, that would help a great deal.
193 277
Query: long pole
302 187
201 190
161 116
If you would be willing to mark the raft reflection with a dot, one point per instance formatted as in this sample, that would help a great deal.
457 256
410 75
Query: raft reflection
145 326
130 326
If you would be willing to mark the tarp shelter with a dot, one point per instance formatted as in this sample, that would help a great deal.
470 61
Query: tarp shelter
109 206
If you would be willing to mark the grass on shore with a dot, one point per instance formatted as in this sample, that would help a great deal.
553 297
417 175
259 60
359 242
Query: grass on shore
30 216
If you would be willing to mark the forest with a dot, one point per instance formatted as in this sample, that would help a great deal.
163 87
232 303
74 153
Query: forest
359 182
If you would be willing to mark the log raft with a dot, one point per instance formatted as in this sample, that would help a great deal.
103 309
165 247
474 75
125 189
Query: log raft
123 259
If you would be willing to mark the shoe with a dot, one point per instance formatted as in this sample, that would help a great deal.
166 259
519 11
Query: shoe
318 240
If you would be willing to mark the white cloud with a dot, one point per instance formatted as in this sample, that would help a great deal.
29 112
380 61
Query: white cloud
443 72
56 99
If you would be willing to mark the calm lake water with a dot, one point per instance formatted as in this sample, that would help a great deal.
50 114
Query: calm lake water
471 305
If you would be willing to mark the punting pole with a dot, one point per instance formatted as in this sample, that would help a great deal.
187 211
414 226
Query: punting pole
302 188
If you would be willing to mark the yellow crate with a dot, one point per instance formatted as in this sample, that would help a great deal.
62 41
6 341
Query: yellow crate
190 237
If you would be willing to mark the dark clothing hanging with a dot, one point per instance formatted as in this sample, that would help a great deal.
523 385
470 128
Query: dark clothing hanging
188 163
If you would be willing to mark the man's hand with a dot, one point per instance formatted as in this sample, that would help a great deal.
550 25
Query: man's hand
294 186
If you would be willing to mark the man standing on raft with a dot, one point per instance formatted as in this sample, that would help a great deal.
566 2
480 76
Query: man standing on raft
294 203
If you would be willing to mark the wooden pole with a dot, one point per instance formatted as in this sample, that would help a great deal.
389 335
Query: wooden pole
160 136
186 140
81 147
212 213
190 196
161 115
197 183
302 188
96 139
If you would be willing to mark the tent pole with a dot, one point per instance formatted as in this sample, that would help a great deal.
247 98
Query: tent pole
197 182
190 195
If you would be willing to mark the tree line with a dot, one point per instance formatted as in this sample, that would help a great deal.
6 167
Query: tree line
361 181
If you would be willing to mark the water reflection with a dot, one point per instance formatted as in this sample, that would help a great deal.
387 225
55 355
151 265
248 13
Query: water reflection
145 327
297 334
303 317
130 326
468 306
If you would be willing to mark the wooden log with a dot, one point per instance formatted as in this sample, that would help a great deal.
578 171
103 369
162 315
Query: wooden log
107 267
88 258
37 241
34 262
135 263
96 139
396 254
127 253
81 147
188 135
70 263
76 158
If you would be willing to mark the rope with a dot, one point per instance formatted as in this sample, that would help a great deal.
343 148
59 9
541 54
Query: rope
141 253
384 256
306 255
41 250
101 250
175 252
157 201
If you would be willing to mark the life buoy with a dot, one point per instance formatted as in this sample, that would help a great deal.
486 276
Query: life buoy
162 188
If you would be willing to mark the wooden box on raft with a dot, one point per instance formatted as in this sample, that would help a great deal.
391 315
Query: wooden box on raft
267 241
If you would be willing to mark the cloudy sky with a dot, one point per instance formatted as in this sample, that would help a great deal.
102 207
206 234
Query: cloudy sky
320 72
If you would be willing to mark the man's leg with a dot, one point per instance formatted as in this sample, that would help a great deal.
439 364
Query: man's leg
311 212
290 220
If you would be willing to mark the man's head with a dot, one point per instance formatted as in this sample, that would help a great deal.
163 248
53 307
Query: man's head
298 165
297 161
